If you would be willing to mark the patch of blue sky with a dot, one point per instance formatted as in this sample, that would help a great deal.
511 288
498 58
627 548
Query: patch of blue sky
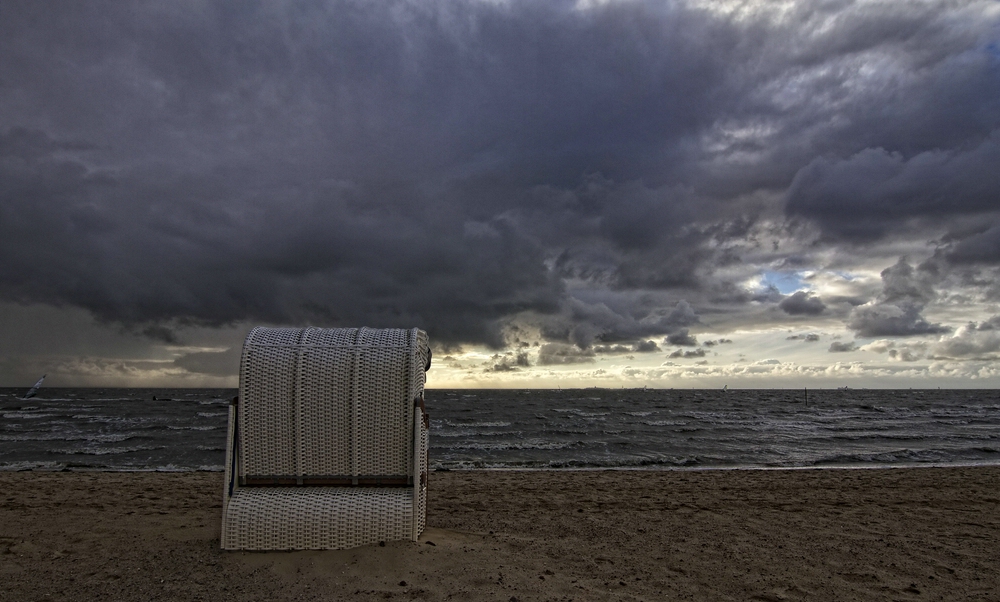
785 282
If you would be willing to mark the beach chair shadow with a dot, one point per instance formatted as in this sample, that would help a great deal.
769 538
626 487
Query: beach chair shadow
327 444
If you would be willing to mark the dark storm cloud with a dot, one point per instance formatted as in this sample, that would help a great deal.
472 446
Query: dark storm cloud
453 165
877 190
645 347
681 337
802 303
896 312
891 320
979 247
608 318
333 162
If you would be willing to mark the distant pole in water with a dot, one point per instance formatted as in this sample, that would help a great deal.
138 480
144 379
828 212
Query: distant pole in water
806 390
34 390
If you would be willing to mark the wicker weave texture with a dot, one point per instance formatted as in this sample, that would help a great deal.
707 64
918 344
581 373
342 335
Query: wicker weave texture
319 403
267 411
329 402
317 518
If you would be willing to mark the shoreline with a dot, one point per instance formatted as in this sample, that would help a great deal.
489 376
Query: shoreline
879 534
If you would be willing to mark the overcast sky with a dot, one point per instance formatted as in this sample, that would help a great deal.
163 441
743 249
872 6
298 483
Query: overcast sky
561 193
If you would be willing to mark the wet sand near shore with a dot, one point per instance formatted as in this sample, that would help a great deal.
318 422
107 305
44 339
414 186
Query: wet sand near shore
873 534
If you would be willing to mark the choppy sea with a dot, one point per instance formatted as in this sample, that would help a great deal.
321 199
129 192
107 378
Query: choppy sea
185 429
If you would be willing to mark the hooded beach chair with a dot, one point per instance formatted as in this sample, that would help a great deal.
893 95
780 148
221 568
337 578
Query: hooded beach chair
327 445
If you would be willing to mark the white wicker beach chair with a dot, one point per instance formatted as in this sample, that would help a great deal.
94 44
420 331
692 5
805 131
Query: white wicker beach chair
327 445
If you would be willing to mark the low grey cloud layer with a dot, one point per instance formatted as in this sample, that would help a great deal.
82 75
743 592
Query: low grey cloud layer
842 347
596 179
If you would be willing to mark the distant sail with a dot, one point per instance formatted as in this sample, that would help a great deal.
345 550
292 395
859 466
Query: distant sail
31 392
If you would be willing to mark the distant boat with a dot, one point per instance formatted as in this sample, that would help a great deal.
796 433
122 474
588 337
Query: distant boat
34 390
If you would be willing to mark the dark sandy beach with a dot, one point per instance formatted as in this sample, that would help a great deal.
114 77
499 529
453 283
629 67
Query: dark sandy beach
877 534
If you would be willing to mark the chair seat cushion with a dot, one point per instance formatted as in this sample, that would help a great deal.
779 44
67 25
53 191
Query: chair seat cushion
317 518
